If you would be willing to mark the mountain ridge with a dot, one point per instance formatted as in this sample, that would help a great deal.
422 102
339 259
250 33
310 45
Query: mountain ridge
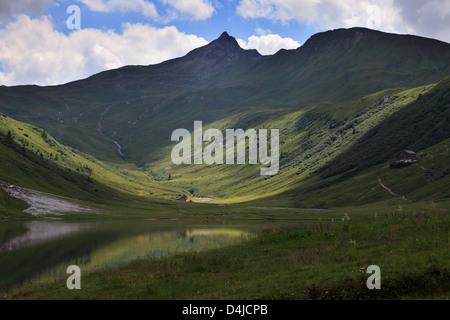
341 64
133 104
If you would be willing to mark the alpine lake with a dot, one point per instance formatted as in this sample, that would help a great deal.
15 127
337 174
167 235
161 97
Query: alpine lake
43 249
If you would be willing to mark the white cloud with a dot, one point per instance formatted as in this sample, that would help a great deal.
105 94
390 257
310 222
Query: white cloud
261 31
10 8
176 9
324 14
268 44
425 18
147 8
33 52
191 9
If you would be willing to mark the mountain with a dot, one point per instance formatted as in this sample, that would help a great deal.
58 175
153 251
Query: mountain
341 64
345 101
128 104
86 113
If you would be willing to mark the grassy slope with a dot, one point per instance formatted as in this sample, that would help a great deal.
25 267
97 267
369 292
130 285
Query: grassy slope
310 139
33 159
140 106
11 207
422 124
424 181
114 188
330 138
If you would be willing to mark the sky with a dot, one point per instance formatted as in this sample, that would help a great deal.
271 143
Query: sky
51 42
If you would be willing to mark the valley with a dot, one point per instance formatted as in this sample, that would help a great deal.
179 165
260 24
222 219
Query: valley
345 104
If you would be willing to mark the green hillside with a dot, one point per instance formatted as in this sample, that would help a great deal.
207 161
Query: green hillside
33 159
424 181
138 107
345 103
323 138
422 124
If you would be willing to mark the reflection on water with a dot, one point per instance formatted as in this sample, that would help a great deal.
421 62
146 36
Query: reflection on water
164 243
47 248
40 231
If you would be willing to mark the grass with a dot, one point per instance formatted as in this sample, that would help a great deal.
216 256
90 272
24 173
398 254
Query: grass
316 139
419 182
323 260
32 158
29 139
311 138
336 143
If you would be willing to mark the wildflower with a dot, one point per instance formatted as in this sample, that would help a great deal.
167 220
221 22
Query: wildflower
346 217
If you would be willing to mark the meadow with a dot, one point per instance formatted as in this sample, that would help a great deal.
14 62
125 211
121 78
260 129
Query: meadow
317 259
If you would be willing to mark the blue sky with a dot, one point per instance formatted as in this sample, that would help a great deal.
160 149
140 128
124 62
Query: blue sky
37 47
224 18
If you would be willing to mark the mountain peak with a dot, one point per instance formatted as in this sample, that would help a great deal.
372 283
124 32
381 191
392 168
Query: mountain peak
224 35
224 45
352 35
227 41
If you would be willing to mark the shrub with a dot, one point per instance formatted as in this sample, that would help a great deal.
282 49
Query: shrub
398 164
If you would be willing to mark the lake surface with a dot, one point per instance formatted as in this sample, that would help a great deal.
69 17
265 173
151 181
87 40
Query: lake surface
43 249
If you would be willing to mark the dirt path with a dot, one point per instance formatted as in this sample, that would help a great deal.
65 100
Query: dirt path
421 167
202 199
388 189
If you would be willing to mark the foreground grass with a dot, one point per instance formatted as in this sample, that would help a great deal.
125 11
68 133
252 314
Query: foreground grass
327 260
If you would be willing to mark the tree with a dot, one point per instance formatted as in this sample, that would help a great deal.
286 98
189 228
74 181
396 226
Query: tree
9 138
